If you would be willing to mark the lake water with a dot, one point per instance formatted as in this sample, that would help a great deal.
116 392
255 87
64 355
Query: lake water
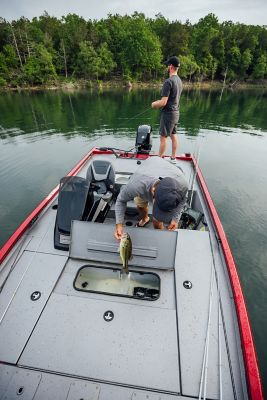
43 135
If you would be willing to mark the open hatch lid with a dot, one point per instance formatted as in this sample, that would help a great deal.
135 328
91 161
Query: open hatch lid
96 242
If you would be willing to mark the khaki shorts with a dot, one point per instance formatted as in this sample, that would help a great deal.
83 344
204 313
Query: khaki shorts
140 202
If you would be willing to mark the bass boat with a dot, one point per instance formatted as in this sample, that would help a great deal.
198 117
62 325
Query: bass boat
74 326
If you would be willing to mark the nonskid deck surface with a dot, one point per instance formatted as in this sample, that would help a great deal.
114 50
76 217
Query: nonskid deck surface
181 345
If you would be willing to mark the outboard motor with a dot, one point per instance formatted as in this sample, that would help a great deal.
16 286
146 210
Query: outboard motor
101 180
83 199
143 141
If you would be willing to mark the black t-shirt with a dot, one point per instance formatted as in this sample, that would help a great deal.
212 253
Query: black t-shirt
172 88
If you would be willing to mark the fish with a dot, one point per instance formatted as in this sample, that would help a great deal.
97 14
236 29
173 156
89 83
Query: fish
126 251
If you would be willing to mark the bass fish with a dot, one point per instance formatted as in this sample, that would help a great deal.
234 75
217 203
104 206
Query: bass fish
125 251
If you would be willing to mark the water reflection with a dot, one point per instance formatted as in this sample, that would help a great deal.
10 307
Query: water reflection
120 112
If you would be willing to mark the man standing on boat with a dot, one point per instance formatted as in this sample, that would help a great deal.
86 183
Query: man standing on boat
169 104
159 183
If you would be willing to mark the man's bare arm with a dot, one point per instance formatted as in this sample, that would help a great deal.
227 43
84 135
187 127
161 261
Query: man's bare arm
160 103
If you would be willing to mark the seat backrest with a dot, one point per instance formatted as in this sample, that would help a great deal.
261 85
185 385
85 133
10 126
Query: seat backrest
71 201
101 176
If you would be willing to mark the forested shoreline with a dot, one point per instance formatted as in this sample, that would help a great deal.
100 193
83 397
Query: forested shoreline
50 51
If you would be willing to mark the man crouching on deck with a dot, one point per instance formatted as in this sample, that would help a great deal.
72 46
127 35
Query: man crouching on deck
167 193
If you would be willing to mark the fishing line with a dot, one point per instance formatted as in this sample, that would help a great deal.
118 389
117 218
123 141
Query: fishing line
113 149
124 151
137 115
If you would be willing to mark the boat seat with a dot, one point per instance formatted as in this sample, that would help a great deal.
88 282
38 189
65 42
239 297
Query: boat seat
100 178
72 201
83 199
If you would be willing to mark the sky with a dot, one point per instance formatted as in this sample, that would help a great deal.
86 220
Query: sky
252 12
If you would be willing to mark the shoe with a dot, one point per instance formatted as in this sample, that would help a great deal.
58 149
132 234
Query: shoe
173 160
142 226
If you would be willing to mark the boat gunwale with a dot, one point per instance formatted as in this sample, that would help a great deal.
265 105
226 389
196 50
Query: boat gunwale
248 346
254 385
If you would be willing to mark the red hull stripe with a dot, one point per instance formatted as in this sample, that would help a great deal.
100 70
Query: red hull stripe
248 347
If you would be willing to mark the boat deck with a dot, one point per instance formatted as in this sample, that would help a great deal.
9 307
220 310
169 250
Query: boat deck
56 343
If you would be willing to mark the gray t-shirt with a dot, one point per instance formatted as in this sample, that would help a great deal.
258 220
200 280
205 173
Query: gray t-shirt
172 88
142 181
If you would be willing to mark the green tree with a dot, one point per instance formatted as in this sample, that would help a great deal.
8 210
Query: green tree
39 68
212 66
73 32
234 62
205 35
246 59
36 34
188 67
260 67
160 26
3 66
4 33
135 47
106 63
141 54
9 65
129 46
175 39
173 36
246 37
11 58
87 61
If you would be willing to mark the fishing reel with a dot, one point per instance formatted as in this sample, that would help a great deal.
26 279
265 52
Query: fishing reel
190 219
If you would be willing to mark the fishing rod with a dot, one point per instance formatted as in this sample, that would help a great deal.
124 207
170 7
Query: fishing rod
137 115
194 178
205 360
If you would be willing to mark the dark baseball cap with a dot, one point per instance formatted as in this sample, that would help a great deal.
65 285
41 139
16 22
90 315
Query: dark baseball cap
168 196
173 61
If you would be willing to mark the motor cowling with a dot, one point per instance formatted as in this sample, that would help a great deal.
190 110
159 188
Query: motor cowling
143 141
